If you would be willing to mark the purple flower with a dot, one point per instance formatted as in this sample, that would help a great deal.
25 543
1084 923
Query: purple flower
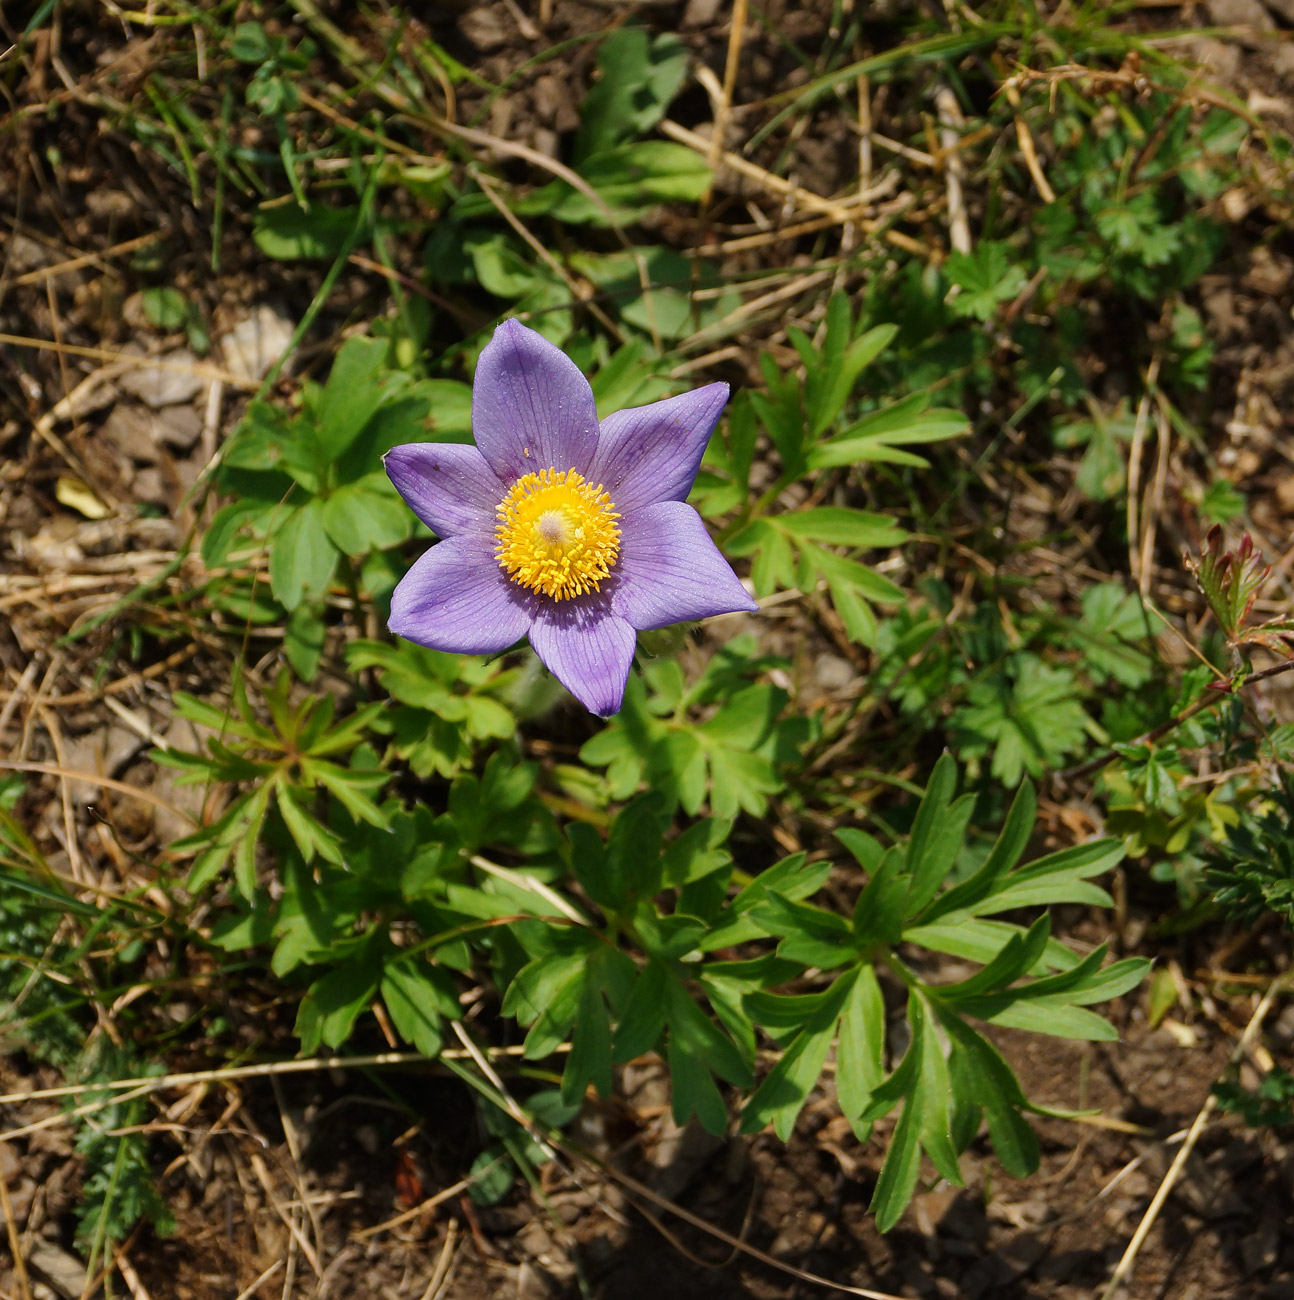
559 528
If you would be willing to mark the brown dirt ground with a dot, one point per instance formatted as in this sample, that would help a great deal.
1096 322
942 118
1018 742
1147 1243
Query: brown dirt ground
286 1177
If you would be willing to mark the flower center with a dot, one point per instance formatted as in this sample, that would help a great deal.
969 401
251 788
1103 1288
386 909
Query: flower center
557 534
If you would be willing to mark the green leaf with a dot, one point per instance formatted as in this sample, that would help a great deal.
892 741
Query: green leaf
333 1003
831 386
898 1176
937 834
1112 626
697 1049
1018 955
302 558
861 1049
352 394
417 997
1005 853
250 44
841 527
639 77
878 914
877 437
963 935
786 1087
1029 724
631 179
166 308
986 277
1050 1016
589 1060
365 515
311 836
979 1073
288 233
643 1020
303 641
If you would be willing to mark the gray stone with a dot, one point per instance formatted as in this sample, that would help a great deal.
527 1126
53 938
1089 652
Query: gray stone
168 384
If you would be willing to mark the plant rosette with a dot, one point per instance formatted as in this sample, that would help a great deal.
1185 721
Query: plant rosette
573 533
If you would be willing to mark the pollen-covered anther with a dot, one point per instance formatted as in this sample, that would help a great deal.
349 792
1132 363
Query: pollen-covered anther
557 533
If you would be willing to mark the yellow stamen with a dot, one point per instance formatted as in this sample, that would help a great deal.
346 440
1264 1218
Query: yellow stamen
557 533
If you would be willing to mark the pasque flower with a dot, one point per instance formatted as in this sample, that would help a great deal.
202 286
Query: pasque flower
559 528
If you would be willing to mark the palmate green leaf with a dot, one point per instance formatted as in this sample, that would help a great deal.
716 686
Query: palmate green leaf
837 381
813 936
234 834
986 277
1005 853
334 1002
697 1051
351 787
860 1051
792 878
1029 721
974 939
832 374
1051 1016
1059 877
1019 955
937 834
643 1021
739 753
589 1060
418 996
1054 1004
878 914
548 1000
1110 633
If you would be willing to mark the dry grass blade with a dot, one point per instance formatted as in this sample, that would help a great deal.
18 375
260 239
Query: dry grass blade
107 782
247 1292
444 1270
736 33
423 1207
15 1245
202 369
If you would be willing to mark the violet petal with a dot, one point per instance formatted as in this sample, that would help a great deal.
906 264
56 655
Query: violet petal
447 485
457 598
587 648
670 571
652 453
532 409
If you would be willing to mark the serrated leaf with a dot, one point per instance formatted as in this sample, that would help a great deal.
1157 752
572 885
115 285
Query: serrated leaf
416 996
365 515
